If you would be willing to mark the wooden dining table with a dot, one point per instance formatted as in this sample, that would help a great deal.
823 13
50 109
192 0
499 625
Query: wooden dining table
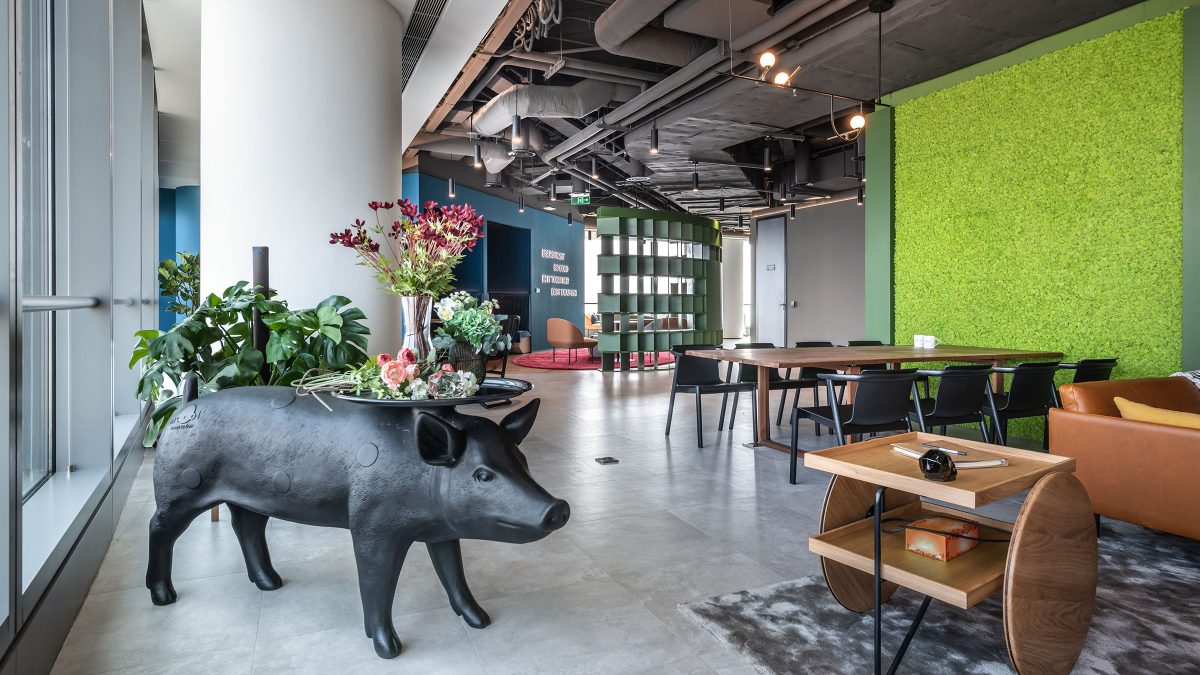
850 360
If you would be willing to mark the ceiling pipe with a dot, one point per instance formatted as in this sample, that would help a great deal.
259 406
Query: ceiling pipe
539 100
495 155
624 29
581 71
591 66
608 187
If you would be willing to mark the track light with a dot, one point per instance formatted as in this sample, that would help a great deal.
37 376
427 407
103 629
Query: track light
550 193
767 156
695 177
654 137
595 169
478 156
860 196
766 60
450 190
516 129
521 204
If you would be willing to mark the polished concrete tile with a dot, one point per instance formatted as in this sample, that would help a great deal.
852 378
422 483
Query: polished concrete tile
670 523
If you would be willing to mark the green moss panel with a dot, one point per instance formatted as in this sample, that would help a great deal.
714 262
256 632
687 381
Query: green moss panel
1040 206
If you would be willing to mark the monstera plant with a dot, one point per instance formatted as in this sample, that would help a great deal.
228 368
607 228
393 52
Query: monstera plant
215 344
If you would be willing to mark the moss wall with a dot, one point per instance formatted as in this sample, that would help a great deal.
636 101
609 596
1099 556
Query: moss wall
1040 206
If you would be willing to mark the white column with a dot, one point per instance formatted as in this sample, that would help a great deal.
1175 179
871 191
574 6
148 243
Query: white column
732 292
300 128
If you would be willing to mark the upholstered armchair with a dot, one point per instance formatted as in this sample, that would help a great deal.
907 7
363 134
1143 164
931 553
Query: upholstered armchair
562 334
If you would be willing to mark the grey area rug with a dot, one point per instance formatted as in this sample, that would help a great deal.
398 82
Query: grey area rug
1146 620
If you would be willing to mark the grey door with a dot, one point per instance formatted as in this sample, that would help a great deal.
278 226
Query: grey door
770 281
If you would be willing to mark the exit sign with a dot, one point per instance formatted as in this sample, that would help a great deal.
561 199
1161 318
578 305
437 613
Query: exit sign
581 200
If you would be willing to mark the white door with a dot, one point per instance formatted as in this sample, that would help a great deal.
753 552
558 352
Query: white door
770 281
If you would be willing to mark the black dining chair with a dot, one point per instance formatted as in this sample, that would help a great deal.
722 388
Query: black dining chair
1030 394
748 373
1087 370
962 393
807 379
921 379
701 376
881 403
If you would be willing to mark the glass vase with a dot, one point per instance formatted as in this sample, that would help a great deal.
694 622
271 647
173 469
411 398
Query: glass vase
416 314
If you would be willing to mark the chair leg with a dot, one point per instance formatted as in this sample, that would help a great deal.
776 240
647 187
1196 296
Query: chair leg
699 421
795 445
1002 430
782 403
721 420
733 410
983 431
943 430
1046 433
817 402
670 411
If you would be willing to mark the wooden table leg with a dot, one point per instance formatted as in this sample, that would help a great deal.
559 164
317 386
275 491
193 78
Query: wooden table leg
851 387
215 514
764 406
997 379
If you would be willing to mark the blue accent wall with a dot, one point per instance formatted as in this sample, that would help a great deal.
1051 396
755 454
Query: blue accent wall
547 231
166 246
178 230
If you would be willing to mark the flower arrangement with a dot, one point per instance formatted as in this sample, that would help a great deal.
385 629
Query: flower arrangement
403 378
466 320
413 251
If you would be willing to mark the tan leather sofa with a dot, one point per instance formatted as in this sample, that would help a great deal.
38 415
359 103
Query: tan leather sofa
1139 472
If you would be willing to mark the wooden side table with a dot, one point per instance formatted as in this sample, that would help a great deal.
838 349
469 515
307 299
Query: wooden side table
1046 571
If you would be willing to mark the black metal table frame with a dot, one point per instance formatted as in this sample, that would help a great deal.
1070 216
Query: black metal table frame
877 513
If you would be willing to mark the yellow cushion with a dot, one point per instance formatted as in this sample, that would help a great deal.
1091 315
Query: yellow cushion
1143 413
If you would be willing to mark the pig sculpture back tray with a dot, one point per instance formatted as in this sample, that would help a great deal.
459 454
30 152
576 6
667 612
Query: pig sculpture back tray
392 476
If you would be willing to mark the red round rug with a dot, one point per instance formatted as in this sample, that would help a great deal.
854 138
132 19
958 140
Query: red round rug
579 360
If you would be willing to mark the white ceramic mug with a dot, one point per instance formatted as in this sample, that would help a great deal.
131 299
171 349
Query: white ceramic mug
919 341
931 342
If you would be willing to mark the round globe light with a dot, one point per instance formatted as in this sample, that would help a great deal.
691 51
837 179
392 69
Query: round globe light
781 78
766 60
858 122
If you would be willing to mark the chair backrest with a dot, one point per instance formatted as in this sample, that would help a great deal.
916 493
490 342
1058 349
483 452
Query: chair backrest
810 373
561 330
962 390
864 343
1094 370
750 373
1032 386
693 370
882 396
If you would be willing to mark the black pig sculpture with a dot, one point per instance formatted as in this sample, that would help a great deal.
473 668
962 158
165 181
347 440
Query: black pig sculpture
391 475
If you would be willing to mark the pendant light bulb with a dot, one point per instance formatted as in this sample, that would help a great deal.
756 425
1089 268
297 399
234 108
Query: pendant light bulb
521 204
860 196
782 78
858 121
595 169
695 177
654 139
516 129
721 204
450 188
550 193
478 156
767 157
766 60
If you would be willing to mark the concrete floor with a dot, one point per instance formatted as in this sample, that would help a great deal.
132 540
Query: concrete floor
670 523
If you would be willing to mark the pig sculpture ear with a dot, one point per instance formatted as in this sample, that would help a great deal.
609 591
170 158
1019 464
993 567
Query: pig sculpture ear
439 442
519 422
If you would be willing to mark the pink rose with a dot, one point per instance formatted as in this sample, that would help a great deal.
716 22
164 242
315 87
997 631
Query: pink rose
406 356
382 359
393 374
447 368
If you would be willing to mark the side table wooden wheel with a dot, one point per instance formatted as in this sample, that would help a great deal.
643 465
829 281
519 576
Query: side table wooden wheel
1050 577
846 501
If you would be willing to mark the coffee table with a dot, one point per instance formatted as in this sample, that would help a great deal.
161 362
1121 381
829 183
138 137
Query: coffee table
1046 571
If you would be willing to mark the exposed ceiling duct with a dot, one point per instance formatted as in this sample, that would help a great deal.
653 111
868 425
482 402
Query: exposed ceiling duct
495 155
538 100
624 29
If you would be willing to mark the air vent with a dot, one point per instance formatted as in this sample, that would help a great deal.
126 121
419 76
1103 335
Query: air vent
420 27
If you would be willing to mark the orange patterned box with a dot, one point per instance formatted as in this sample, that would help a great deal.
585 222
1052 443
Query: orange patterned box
942 547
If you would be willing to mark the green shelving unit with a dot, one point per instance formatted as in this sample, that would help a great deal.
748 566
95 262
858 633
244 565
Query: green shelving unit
660 283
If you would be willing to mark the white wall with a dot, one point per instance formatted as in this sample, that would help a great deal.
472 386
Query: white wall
733 290
301 127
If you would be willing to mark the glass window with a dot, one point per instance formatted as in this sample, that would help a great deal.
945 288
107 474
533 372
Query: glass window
35 460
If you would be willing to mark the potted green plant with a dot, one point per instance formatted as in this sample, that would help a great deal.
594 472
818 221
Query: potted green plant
471 331
413 252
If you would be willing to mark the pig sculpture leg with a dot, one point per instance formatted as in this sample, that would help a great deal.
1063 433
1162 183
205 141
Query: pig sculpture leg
379 556
251 531
165 527
447 560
